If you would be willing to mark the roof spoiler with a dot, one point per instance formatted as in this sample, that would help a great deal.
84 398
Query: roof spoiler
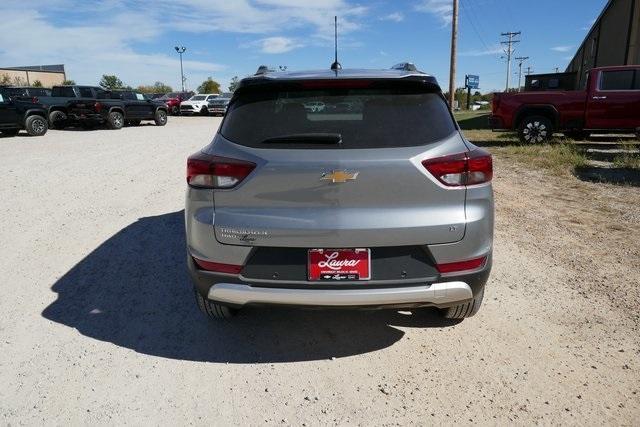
405 66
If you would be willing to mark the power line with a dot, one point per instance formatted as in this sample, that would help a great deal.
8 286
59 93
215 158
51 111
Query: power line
509 51
467 13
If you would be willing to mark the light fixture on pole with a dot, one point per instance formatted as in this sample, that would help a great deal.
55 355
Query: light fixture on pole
181 50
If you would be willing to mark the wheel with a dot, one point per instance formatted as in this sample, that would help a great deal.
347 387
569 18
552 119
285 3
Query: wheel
36 125
160 118
535 130
134 122
175 110
465 310
212 309
57 120
115 120
10 132
204 111
577 135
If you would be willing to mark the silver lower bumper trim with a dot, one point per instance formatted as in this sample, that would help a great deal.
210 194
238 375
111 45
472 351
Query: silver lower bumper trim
436 293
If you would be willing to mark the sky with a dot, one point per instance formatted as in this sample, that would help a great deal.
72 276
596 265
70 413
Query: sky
135 39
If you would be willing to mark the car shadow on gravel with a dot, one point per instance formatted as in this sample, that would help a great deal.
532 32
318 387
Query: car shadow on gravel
134 291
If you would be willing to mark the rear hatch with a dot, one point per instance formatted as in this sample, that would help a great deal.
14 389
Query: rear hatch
348 175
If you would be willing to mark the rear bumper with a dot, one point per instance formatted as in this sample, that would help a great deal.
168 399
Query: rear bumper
236 291
496 122
436 294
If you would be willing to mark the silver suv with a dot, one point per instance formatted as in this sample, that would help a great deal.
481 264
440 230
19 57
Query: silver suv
375 200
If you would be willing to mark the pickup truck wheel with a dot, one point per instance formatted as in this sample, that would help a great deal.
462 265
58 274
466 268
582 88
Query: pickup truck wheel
465 310
212 309
535 130
160 118
115 120
36 125
57 120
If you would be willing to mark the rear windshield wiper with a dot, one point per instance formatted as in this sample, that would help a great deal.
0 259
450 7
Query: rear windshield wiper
314 138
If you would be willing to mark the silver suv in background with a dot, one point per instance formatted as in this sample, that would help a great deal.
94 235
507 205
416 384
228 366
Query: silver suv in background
375 200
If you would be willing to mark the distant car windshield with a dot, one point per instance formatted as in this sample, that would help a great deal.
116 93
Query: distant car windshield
363 117
198 98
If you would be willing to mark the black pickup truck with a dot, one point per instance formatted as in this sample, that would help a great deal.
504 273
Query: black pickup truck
58 103
117 108
18 113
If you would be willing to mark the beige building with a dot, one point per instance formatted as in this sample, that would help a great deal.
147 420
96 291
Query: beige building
614 39
48 75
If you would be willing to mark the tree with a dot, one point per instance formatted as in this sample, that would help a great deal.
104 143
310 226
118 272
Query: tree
5 79
209 86
235 81
68 83
36 83
110 82
157 87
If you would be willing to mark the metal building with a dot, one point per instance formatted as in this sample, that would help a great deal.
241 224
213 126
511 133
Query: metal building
614 39
48 75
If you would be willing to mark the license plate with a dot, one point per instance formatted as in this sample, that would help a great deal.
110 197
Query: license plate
339 264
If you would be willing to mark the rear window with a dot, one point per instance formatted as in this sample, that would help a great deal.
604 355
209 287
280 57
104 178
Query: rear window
617 80
364 118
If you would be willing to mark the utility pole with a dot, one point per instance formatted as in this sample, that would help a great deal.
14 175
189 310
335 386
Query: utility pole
520 60
529 70
454 47
557 70
181 50
509 51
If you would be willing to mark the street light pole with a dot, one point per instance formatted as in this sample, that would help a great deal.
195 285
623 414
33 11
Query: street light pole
180 50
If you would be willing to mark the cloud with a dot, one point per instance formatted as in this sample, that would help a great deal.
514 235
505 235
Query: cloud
273 45
129 38
561 48
395 17
491 51
442 9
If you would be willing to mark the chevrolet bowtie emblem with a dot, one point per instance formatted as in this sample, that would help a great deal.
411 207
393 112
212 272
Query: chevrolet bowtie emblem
339 176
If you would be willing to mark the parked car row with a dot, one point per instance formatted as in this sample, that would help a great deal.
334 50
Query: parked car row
85 106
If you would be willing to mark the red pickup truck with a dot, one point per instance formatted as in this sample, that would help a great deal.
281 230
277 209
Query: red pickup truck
609 103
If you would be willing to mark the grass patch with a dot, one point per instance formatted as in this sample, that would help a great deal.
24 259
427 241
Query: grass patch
627 161
469 120
560 158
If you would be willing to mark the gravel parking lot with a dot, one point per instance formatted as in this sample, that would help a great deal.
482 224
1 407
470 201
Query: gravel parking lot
98 322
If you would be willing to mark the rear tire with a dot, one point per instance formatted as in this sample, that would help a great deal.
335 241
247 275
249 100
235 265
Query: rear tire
465 310
160 118
535 130
57 120
212 309
36 125
115 120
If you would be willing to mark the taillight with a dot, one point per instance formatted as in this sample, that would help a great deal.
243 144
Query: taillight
457 170
97 107
208 171
218 267
455 267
